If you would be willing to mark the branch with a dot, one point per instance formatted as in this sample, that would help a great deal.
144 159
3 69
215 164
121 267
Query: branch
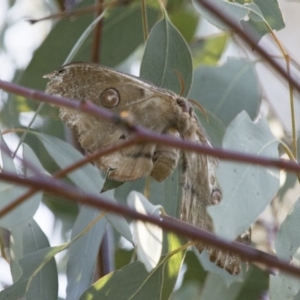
63 172
248 39
146 135
168 223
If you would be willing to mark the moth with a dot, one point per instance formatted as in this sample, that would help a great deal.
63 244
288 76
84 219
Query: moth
157 109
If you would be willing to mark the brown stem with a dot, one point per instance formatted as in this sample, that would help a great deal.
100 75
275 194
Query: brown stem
66 13
64 172
145 134
96 48
168 223
248 39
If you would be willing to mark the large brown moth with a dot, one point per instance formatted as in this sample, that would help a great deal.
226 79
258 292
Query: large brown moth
154 108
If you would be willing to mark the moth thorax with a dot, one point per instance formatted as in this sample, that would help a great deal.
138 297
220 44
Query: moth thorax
110 98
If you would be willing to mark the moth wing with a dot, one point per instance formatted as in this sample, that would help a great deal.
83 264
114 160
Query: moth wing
149 106
200 189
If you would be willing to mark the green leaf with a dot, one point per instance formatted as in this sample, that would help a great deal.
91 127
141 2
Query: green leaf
82 254
189 291
167 193
208 51
211 290
87 177
227 90
6 157
31 265
263 17
252 287
271 12
129 20
26 239
246 189
29 156
119 223
10 192
213 126
287 243
187 29
167 52
147 237
134 282
255 284
110 184
172 265
256 25
122 29
236 12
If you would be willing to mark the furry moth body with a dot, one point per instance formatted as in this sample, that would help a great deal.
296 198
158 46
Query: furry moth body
154 108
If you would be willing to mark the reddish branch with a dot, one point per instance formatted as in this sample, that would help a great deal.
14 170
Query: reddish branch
74 194
142 134
212 7
146 135
97 32
64 172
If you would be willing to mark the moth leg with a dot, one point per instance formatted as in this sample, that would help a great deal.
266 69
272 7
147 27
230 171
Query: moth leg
165 159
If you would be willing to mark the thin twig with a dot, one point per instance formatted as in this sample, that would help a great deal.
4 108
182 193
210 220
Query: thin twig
66 13
248 39
144 19
96 48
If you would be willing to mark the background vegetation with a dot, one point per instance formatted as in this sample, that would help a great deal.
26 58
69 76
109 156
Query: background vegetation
135 35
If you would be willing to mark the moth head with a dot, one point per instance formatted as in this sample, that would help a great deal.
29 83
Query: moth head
110 98
185 106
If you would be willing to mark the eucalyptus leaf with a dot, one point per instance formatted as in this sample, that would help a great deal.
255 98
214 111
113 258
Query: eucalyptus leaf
134 282
219 291
165 54
82 254
87 177
173 264
187 29
208 51
235 11
227 90
167 193
120 31
147 237
6 157
263 17
246 189
31 265
287 243
27 239
189 291
271 12
9 192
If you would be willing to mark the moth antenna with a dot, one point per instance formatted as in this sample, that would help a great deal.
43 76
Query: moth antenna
181 82
200 107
